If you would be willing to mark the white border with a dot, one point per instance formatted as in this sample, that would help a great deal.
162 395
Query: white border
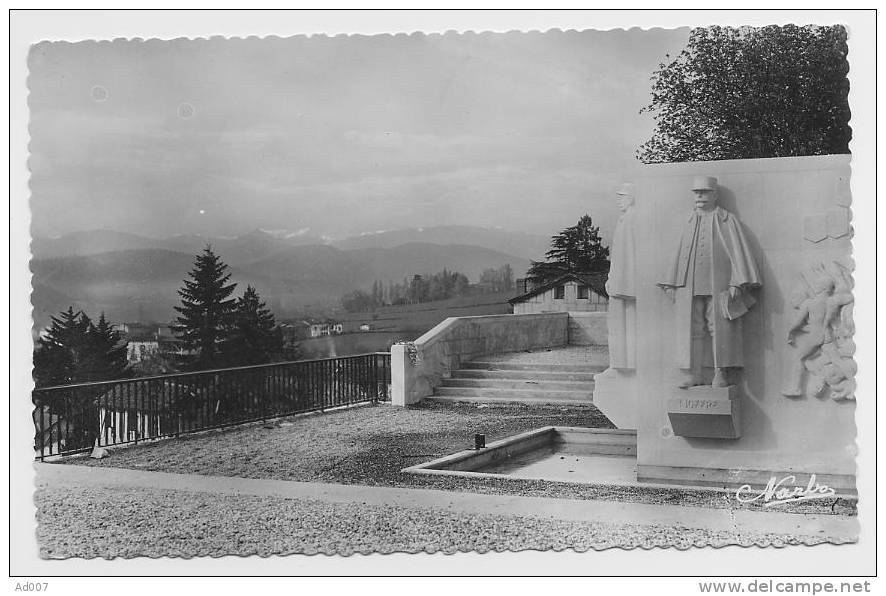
848 559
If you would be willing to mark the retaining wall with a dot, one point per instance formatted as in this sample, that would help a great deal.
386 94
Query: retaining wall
458 339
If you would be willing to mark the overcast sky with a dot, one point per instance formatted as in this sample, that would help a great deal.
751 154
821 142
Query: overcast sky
338 135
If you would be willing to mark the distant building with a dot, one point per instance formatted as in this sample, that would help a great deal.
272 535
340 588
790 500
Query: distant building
295 332
136 351
324 328
168 341
571 292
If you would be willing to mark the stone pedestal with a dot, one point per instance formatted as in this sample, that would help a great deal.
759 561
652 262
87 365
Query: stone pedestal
406 383
615 394
706 412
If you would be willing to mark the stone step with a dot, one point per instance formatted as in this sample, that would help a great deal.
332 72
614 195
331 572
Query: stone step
536 375
528 384
509 398
534 366
518 395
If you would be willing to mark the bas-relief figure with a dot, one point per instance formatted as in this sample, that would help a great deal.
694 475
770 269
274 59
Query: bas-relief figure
621 285
821 333
711 281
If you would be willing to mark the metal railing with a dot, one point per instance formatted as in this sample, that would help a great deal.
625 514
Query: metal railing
72 419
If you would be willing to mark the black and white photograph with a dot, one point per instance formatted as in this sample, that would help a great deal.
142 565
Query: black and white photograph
489 292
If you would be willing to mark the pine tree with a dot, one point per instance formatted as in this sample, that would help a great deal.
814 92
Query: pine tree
61 350
206 313
577 249
74 350
254 337
107 352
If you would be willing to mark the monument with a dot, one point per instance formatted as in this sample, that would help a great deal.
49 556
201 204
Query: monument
743 366
615 387
710 281
621 285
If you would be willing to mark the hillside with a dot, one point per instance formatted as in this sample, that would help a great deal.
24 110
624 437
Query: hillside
142 284
417 257
415 319
400 323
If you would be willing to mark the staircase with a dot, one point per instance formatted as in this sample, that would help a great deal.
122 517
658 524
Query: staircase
561 376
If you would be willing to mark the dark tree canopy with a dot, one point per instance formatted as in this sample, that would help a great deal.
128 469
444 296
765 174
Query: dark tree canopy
577 249
206 312
75 350
254 337
107 351
752 93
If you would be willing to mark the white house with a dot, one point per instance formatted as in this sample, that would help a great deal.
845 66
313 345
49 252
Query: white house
137 351
569 293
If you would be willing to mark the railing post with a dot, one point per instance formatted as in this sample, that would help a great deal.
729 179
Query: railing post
404 377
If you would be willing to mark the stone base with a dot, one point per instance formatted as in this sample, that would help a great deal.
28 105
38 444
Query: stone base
706 412
735 478
615 394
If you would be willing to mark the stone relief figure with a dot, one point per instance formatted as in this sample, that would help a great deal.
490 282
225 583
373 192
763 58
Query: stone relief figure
621 285
821 333
710 281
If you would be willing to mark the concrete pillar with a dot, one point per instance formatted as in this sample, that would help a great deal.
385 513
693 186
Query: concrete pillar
404 375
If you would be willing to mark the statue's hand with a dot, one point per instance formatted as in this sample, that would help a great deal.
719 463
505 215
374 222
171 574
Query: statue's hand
790 338
669 292
734 292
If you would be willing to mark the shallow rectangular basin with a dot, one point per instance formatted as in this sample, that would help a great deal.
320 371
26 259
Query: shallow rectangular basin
557 453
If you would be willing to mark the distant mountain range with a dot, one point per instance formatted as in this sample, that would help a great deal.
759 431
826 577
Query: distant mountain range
520 244
132 277
241 249
259 244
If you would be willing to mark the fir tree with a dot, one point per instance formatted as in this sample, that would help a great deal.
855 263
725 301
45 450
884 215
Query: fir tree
61 350
254 337
74 350
206 313
105 358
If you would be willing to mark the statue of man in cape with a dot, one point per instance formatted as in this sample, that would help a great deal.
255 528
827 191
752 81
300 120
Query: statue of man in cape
621 285
710 281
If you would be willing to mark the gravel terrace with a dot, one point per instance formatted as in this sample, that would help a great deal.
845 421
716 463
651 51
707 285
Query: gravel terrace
90 522
371 444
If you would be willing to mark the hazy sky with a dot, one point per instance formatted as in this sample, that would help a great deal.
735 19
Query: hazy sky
340 135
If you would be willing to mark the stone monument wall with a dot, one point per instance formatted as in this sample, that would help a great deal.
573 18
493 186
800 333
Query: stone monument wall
795 213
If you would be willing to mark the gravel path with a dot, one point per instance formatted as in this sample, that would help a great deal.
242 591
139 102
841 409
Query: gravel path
371 444
91 522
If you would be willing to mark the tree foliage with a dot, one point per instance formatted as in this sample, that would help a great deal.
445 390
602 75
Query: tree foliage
740 93
254 337
498 280
206 314
577 249
73 349
420 288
